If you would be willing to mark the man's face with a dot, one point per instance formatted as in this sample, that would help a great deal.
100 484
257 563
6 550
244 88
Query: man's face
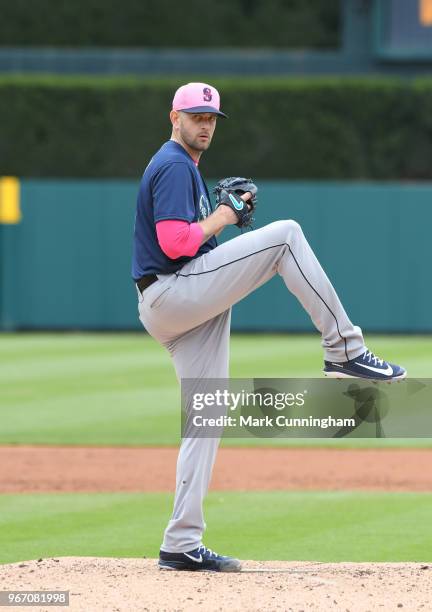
195 129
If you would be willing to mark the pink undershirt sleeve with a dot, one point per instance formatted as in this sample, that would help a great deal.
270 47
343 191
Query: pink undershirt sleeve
178 238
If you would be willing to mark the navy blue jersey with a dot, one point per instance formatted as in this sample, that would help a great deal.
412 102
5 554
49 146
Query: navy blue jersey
171 188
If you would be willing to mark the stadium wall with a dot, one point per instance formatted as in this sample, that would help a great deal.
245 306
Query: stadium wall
65 263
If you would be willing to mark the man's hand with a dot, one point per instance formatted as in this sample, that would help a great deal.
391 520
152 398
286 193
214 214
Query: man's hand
221 217
228 192
228 212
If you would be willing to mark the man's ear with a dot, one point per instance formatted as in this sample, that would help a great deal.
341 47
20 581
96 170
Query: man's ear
174 117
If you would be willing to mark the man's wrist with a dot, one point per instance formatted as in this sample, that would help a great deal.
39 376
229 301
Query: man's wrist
213 224
227 215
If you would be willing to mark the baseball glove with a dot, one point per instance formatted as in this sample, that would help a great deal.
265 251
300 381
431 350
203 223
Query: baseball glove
228 192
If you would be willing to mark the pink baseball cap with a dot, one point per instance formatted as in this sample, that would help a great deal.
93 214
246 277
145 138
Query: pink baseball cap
197 98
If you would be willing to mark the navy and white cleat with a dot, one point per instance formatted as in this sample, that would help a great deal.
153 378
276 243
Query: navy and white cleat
366 365
200 559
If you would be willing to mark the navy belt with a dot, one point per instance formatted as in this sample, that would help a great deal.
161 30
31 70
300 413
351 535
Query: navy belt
145 281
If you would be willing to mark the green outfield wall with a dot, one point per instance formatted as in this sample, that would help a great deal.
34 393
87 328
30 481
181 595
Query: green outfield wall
65 260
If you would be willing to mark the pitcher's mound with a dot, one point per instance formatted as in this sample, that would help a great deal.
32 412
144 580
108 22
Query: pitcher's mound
105 584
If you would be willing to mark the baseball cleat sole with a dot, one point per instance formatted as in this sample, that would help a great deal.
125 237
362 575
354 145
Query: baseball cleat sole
341 375
182 567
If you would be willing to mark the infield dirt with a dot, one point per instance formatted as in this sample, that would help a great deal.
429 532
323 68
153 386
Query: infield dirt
135 585
27 469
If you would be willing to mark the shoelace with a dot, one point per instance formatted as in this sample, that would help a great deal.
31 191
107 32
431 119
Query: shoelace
209 550
371 357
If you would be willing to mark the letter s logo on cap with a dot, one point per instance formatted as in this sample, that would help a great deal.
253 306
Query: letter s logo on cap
207 94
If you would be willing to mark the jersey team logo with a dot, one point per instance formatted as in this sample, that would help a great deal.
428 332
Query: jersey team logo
204 207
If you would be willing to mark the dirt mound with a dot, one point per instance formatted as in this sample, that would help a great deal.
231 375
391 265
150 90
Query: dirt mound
27 469
122 585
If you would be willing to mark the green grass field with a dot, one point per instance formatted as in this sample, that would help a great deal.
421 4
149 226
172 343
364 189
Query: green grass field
107 389
339 526
120 389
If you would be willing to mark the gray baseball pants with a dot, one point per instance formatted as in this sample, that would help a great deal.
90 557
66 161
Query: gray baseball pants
189 313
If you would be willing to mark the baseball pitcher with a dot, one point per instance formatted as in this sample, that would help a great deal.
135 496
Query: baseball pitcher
187 283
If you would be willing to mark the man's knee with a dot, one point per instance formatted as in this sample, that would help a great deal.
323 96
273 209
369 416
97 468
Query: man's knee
286 227
292 226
